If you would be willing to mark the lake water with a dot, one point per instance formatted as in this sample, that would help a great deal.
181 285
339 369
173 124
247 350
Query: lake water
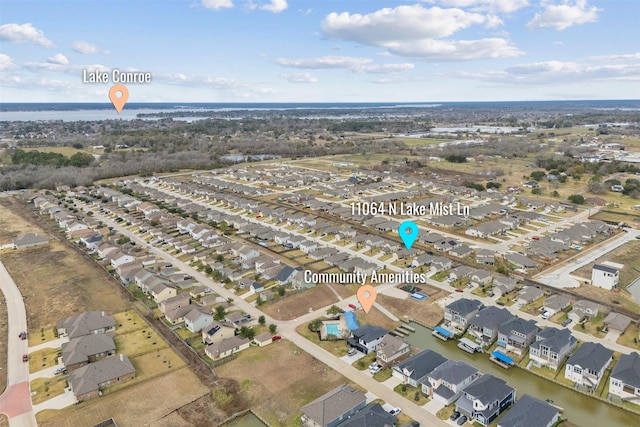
580 409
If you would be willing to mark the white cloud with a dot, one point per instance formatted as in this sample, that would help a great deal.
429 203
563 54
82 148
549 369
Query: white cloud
505 6
403 23
299 78
564 15
86 47
5 62
458 50
616 57
415 31
560 72
58 59
275 6
355 64
217 4
24 33
224 85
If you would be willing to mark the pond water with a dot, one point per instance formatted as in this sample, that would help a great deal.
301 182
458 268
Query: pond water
247 420
580 409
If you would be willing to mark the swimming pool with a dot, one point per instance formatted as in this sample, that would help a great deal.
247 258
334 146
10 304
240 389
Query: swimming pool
332 329
419 296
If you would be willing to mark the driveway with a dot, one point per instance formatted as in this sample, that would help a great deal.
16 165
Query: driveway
15 402
57 343
59 402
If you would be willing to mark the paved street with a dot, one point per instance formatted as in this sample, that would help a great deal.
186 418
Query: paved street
15 402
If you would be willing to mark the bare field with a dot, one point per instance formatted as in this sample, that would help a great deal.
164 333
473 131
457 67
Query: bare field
425 311
626 254
11 224
135 406
296 305
274 395
58 282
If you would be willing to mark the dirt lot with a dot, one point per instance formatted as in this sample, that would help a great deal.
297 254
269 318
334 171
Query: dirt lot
274 395
425 311
135 406
627 255
296 305
12 225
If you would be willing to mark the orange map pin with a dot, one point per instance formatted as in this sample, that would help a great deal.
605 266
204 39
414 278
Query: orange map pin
118 94
366 296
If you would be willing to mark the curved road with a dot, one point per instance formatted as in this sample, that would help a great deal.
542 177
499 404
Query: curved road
15 402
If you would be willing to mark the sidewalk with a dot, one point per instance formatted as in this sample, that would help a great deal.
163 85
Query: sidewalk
58 402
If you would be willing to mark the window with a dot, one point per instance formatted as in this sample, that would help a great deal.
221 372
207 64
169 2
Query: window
577 370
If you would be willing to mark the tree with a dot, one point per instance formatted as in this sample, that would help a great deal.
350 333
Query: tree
334 310
315 325
538 175
262 320
537 190
219 313
208 269
578 199
280 290
273 328
123 240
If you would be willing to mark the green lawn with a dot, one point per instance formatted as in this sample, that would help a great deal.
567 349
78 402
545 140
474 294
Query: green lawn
409 392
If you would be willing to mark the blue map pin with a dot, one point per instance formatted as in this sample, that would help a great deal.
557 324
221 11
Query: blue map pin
408 232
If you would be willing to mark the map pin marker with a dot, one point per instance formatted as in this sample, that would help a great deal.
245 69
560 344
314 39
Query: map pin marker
366 296
408 232
118 101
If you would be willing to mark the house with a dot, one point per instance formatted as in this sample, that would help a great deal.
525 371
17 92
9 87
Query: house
584 309
516 334
371 416
263 339
391 349
485 324
217 331
162 291
333 407
551 346
446 382
586 366
29 240
529 412
624 381
529 294
604 276
89 322
180 300
459 312
555 304
415 370
227 347
481 277
367 338
485 257
198 318
616 322
87 349
521 261
502 285
87 382
460 272
485 398
286 274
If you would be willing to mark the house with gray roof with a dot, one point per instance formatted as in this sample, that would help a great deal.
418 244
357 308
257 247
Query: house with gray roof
197 318
485 398
616 322
587 365
485 324
333 407
89 322
370 416
458 313
551 346
227 347
485 256
415 370
624 381
87 349
446 382
367 338
529 294
530 412
521 261
516 334
502 285
87 382
555 304
29 240
584 310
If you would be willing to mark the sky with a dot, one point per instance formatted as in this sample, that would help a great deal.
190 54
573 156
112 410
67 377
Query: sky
323 50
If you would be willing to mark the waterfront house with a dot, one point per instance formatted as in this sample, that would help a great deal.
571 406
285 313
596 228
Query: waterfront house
587 365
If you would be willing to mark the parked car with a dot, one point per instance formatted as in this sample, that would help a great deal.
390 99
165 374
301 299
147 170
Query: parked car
60 370
459 290
567 322
462 420
22 335
276 338
373 365
352 351
375 369
25 357
395 411
500 303
454 416
353 307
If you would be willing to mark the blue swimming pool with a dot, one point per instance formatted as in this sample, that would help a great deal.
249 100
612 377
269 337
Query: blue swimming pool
419 296
332 329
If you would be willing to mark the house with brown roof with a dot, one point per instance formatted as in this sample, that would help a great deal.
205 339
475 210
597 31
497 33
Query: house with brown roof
333 407
87 381
227 347
90 322
392 349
